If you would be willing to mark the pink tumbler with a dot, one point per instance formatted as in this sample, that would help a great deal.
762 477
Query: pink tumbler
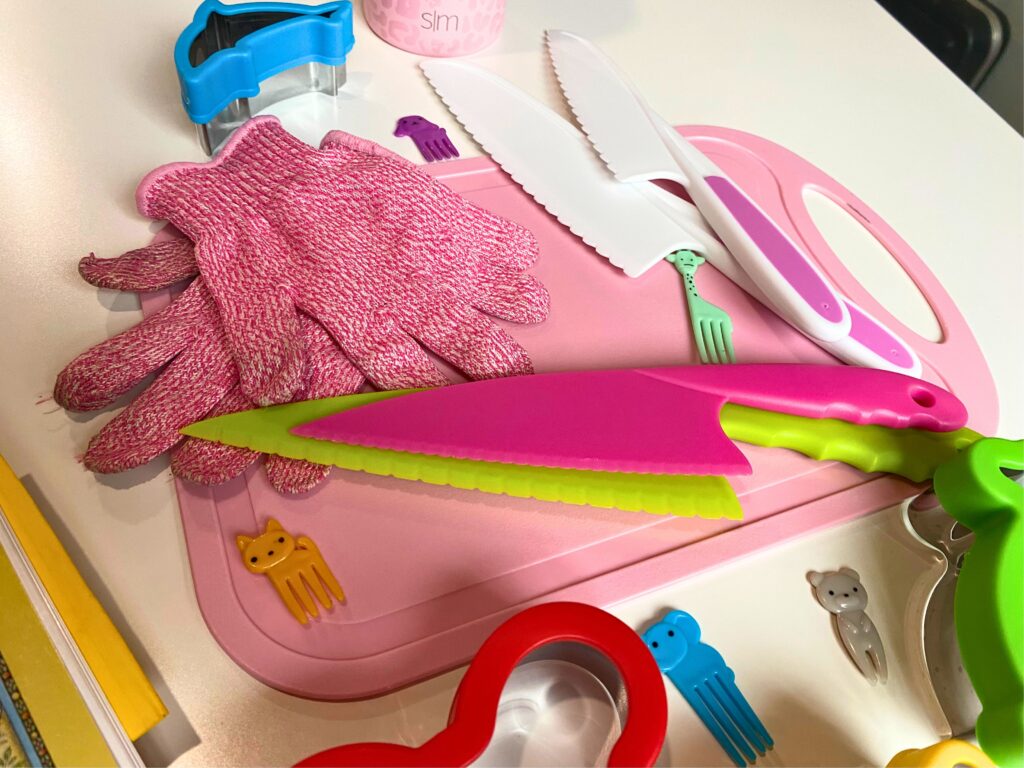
436 27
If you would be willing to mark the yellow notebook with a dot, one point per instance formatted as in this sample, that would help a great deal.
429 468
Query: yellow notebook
43 717
56 618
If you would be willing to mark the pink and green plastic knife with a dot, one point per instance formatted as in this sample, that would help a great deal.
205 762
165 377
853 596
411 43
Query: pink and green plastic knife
649 420
652 439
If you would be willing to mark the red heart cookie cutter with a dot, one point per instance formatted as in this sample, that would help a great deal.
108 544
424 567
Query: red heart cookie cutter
474 710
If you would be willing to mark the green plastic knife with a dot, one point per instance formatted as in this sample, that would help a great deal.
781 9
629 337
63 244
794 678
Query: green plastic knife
912 453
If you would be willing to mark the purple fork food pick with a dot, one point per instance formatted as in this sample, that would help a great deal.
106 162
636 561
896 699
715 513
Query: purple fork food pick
431 140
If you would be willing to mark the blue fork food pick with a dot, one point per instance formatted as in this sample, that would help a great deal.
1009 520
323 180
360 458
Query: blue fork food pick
701 675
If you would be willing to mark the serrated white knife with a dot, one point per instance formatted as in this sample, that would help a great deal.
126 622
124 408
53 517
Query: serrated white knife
633 225
638 145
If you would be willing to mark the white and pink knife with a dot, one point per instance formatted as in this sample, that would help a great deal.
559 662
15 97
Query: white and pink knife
634 223
638 145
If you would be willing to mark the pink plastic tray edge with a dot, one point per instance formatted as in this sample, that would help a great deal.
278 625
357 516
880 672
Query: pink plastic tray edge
331 680
454 647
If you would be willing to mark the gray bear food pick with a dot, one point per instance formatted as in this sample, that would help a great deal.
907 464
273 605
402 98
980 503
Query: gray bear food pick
841 594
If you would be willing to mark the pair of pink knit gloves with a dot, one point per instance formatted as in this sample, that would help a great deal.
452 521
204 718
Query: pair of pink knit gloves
315 271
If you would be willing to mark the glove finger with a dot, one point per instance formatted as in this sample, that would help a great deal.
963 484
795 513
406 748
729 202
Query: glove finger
101 374
259 317
144 269
473 343
264 339
514 296
184 392
294 476
388 358
210 463
498 240
331 373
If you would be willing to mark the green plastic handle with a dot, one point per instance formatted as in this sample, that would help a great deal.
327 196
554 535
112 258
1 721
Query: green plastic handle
911 453
989 601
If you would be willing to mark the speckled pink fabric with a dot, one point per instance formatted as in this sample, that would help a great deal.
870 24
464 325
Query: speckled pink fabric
188 335
331 374
411 264
387 259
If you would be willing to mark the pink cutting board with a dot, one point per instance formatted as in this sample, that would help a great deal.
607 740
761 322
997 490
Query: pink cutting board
430 571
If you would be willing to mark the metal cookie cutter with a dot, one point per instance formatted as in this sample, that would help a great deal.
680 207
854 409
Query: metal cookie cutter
235 60
557 684
941 532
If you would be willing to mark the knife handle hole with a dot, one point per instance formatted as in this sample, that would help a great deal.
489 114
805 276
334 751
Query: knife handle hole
922 397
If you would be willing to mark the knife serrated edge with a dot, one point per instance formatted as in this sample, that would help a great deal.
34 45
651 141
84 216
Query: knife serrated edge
687 241
846 349
787 299
612 71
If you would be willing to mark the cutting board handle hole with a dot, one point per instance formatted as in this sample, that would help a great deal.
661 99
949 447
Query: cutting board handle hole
871 263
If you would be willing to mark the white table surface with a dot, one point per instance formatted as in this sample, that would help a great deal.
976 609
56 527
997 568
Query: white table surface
90 104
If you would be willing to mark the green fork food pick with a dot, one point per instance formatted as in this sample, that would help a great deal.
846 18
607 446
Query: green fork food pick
712 326
989 602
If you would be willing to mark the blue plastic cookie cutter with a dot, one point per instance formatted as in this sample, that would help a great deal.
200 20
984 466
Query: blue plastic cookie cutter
234 60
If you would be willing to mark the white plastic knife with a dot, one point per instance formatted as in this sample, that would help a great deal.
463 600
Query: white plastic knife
638 145
633 225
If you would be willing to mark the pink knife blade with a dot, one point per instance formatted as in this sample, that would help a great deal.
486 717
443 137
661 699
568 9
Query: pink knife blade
653 420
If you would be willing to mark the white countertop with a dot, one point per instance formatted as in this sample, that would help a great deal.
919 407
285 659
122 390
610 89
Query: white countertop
90 104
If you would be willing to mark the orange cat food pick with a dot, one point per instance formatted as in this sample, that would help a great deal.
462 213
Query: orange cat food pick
295 567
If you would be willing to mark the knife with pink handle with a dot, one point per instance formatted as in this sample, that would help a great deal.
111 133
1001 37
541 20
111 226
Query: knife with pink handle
634 224
869 342
648 420
638 145
758 243
790 280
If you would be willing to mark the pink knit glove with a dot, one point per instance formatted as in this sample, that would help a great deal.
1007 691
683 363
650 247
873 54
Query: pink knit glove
200 381
384 257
